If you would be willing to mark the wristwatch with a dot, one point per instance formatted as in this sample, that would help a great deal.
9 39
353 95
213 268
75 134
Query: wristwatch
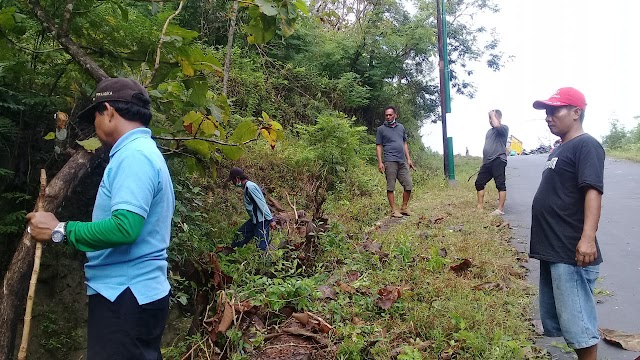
58 234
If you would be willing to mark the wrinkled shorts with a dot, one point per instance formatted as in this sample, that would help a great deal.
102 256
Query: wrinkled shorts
567 305
397 170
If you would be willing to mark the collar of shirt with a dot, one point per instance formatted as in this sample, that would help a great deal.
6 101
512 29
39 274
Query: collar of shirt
128 137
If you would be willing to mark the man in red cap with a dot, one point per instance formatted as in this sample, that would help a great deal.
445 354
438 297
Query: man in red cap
564 219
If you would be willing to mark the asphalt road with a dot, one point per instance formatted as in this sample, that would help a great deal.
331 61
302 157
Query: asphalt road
618 235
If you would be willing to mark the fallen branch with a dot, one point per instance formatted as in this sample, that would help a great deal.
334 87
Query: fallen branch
301 332
293 206
14 291
22 354
275 203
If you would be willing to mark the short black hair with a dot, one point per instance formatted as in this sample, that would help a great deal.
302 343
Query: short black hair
237 173
392 108
498 114
128 110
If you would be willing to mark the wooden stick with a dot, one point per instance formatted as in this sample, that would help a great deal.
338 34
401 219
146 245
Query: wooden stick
293 206
22 354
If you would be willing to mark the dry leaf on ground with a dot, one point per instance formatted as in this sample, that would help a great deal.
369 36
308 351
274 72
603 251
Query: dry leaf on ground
243 306
227 318
629 342
353 276
372 246
225 250
313 321
346 287
327 292
436 220
442 252
462 267
388 296
490 286
224 314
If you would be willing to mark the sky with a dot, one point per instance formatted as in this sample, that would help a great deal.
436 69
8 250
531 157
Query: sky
587 44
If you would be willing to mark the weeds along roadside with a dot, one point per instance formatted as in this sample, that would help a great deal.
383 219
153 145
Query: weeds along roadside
437 307
630 152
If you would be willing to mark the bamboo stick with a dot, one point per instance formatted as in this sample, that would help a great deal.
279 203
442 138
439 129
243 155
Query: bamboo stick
22 354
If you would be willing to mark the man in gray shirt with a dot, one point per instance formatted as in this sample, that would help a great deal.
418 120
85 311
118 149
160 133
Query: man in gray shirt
494 161
391 139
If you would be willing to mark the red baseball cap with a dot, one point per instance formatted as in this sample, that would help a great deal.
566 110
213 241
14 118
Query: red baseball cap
563 97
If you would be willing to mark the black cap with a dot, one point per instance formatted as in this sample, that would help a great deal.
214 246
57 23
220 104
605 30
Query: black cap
120 89
236 173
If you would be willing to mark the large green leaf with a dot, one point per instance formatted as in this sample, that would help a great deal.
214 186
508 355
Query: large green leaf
208 127
90 144
232 152
6 18
199 89
222 104
245 131
200 147
302 6
194 167
191 117
123 11
261 28
287 26
267 7
185 34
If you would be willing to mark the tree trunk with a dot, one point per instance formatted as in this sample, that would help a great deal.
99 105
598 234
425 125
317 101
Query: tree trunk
227 59
16 280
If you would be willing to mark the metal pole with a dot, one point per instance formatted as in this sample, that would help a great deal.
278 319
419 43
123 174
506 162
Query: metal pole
443 108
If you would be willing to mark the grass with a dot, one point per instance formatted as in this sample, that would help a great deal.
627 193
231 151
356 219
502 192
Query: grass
629 153
436 305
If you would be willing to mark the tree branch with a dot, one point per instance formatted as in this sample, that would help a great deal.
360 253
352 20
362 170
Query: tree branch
69 45
26 48
184 138
227 59
66 17
164 31
174 151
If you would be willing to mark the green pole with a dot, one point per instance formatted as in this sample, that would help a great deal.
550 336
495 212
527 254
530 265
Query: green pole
445 55
452 170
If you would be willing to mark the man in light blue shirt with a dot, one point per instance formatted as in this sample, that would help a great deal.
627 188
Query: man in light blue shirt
260 218
126 243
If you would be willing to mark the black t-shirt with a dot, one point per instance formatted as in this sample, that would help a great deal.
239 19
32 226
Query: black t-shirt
557 212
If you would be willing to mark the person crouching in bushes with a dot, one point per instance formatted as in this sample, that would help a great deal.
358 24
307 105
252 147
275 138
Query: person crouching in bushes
260 219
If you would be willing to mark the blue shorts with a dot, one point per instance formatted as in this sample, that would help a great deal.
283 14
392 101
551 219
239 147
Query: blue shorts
567 306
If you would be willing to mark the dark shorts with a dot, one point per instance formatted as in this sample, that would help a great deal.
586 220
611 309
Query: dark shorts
495 169
125 330
393 171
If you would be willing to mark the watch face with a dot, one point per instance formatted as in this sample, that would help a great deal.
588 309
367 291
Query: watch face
57 236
